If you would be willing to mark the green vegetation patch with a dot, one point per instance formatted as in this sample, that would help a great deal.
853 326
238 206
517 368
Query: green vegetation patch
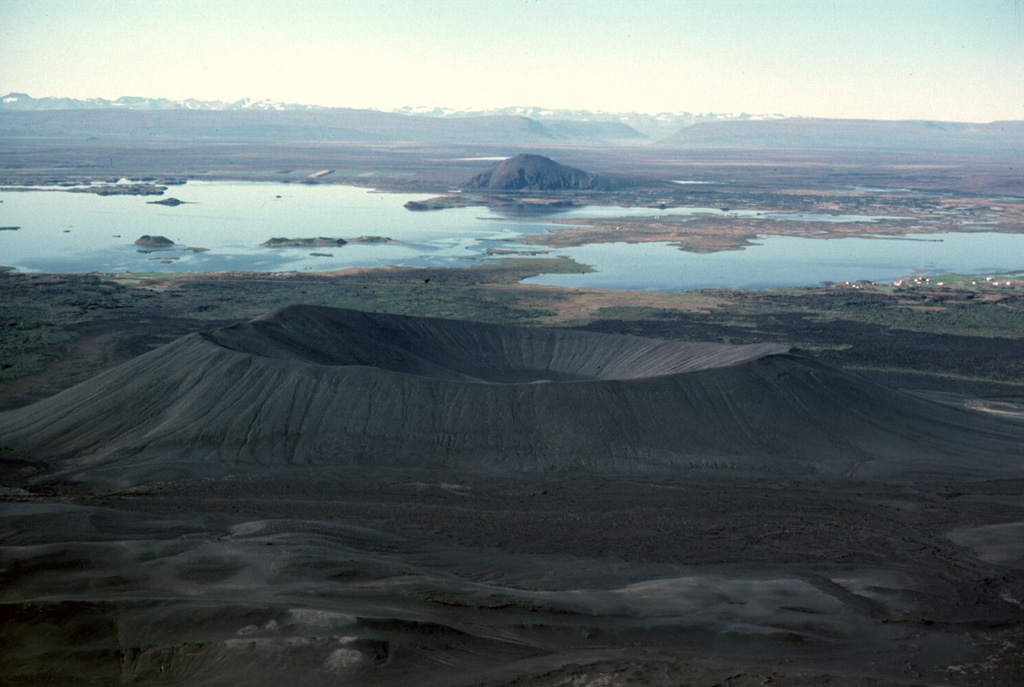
96 321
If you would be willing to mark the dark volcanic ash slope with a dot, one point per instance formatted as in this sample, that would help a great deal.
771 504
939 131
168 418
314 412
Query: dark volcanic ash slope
309 385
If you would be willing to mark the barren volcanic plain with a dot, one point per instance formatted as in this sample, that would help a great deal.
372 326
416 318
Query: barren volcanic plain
447 477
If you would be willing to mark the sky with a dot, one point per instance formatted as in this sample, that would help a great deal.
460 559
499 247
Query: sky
952 60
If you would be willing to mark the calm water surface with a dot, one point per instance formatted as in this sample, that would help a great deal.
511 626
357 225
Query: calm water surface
82 232
788 261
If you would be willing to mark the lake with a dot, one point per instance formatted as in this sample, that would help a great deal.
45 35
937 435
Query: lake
83 232
788 261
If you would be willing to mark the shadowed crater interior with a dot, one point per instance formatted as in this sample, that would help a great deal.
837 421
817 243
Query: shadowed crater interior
470 352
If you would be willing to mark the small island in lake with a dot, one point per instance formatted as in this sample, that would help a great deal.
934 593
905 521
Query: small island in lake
169 202
371 239
154 241
141 189
281 242
439 203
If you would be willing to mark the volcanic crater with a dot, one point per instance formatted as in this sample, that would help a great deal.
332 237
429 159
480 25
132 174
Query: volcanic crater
309 385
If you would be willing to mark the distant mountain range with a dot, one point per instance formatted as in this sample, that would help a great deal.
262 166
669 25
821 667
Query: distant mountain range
654 126
160 119
853 134
335 125
25 102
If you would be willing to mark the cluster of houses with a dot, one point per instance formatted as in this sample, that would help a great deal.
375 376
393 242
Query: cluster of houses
986 282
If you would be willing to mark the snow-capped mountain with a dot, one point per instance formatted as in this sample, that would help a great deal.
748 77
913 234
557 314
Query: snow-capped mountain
654 126
25 102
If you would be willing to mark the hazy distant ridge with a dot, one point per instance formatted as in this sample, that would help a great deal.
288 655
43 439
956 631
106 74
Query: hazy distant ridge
656 125
25 102
809 133
253 125
160 119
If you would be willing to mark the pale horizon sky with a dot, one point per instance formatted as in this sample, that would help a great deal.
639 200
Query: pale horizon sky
954 60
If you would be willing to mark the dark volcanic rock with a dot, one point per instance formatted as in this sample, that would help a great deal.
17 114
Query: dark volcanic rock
534 173
157 241
420 206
